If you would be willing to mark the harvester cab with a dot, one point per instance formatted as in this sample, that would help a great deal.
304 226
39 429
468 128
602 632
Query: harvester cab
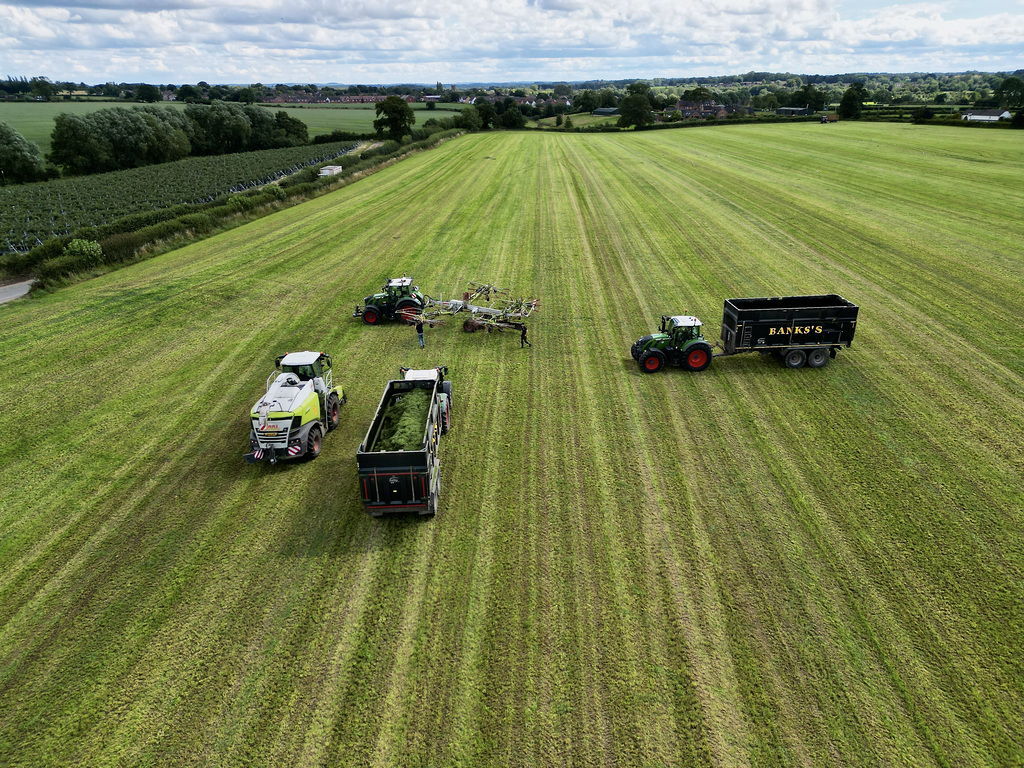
398 297
301 404
679 342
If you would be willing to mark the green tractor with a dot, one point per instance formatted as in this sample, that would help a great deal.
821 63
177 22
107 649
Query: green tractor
398 298
679 343
301 404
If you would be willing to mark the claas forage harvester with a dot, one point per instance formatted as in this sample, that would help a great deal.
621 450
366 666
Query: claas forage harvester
301 404
798 330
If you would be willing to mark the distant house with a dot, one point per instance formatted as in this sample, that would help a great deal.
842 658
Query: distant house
794 111
605 111
986 115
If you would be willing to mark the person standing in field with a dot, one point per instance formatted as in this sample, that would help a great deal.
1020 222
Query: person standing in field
419 331
522 338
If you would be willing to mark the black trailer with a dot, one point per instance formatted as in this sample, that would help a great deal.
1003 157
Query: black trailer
798 329
398 461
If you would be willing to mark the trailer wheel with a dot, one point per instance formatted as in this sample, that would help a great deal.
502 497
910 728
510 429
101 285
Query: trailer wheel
431 506
817 358
795 358
314 442
698 358
333 412
652 361
371 315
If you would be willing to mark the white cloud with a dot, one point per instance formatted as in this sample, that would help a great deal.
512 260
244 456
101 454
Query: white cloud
464 40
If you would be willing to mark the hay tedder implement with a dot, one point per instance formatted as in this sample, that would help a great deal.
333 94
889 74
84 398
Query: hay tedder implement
496 310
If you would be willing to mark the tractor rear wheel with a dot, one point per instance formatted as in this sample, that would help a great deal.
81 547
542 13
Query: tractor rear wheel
314 442
817 358
333 411
795 358
371 315
652 361
698 358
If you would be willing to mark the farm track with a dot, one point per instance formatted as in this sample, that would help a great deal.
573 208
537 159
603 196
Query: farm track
748 566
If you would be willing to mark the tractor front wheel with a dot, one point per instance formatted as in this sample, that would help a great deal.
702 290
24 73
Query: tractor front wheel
698 358
314 442
371 315
469 326
333 412
652 361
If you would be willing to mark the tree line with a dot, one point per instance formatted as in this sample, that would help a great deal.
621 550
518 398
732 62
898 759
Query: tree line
120 137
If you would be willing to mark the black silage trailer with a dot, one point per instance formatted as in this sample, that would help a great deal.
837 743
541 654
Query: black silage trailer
799 329
401 473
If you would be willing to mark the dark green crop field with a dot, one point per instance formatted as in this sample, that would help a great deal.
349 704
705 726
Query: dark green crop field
749 566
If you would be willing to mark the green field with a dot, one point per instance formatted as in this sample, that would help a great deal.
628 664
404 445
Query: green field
34 120
357 118
746 566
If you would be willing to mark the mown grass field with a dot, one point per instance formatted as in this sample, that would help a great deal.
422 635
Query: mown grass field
747 566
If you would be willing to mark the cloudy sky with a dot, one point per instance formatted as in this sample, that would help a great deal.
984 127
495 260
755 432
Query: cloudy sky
464 41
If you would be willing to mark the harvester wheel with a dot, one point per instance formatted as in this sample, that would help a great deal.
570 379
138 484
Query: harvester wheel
652 361
818 357
698 358
371 315
314 442
333 412
795 358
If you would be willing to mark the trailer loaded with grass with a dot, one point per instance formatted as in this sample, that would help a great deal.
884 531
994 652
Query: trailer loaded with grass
398 461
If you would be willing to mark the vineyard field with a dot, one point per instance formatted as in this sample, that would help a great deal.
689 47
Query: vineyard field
31 213
749 566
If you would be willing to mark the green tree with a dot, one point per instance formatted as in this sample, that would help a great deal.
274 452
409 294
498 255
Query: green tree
189 94
851 104
469 119
246 95
512 118
635 111
148 93
20 159
808 96
922 114
43 88
1011 93
488 114
586 102
394 118
607 98
698 95
568 123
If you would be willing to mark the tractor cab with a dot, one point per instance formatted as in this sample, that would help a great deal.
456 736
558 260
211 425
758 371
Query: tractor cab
308 366
399 287
681 329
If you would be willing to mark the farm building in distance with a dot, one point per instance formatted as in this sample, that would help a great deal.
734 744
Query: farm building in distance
986 115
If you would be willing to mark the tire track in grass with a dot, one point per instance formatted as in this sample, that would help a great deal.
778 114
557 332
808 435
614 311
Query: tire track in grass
391 737
690 717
